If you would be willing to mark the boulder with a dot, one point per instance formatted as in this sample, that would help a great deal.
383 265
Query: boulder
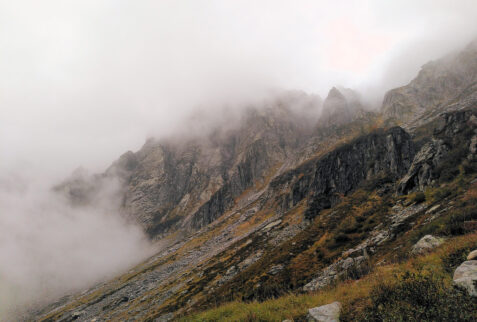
465 277
472 255
426 244
325 313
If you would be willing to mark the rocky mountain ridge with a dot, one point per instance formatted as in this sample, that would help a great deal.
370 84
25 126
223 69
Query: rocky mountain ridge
443 85
278 204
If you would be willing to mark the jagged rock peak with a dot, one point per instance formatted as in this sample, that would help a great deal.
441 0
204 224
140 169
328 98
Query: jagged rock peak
341 106
443 85
334 93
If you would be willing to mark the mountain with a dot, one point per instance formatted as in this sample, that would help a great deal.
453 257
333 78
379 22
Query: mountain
300 196
340 107
443 85
186 183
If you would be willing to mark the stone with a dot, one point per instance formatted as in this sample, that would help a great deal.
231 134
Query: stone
472 255
272 224
275 269
465 277
433 209
76 315
325 313
426 244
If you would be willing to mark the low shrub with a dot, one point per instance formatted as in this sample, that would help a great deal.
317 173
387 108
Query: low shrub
418 197
418 297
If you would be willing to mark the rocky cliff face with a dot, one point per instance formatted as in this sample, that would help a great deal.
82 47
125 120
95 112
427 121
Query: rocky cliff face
443 85
452 141
187 183
383 153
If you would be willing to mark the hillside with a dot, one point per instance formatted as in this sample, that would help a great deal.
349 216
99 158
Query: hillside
281 211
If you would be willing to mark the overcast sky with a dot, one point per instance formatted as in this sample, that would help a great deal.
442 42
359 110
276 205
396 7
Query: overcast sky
81 82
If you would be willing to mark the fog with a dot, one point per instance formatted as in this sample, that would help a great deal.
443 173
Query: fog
48 248
81 82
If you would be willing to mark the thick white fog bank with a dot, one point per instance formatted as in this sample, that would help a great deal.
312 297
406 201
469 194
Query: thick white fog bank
83 81
48 248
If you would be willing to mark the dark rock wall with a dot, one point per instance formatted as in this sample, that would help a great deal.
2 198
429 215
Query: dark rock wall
323 180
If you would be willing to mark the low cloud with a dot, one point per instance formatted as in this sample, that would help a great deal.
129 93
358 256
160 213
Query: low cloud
49 248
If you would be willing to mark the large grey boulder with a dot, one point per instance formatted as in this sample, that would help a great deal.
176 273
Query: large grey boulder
426 244
325 313
465 276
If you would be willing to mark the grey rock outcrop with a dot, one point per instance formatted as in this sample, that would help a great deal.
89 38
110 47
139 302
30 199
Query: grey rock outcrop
436 88
465 276
420 174
426 244
446 133
450 124
325 313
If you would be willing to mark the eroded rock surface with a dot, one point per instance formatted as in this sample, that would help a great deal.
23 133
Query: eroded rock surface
342 170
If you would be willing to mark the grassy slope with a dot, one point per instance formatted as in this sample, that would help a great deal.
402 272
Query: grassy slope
356 296
460 194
